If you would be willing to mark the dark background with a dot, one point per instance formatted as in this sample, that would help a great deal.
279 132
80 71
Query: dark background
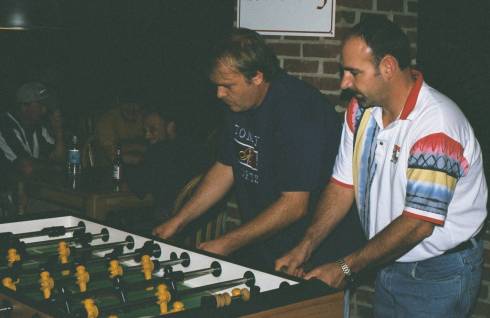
153 47
158 48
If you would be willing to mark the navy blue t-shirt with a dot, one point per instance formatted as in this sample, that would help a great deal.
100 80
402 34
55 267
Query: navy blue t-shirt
288 143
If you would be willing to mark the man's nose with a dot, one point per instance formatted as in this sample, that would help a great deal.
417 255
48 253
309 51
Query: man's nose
220 92
346 81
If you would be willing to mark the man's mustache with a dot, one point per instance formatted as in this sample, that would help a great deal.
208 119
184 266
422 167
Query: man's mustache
347 94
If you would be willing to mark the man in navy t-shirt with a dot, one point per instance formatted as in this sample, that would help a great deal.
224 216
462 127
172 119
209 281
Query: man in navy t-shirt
279 146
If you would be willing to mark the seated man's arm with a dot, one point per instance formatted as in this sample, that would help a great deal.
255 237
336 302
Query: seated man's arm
287 209
215 184
58 153
332 207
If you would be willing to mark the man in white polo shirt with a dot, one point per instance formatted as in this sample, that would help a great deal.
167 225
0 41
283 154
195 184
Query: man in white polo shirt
411 161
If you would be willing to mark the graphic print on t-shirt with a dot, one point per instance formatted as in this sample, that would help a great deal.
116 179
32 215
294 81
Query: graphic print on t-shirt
247 155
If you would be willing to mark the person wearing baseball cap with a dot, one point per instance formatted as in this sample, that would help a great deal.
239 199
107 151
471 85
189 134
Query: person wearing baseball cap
24 139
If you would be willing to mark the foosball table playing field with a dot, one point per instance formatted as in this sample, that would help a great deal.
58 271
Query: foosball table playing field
72 267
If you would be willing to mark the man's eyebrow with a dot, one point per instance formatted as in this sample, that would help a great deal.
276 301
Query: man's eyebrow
350 69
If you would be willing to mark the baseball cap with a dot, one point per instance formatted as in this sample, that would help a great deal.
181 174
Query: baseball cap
32 92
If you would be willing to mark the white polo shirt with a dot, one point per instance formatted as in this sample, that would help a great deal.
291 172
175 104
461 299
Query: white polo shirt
427 164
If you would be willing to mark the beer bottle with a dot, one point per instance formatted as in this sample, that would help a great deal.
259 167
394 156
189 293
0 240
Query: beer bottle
116 169
74 163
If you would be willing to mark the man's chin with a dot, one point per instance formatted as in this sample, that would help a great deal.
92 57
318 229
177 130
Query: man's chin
360 97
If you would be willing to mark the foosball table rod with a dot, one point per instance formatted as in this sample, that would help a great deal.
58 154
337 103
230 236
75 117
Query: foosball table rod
167 293
17 251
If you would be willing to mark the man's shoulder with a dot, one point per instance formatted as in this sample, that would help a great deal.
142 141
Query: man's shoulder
108 118
435 107
292 86
8 121
292 94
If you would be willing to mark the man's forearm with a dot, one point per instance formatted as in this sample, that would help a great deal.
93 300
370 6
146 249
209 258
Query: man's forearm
332 207
290 207
396 239
59 146
213 187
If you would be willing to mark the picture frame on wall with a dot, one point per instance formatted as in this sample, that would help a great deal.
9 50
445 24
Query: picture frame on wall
288 17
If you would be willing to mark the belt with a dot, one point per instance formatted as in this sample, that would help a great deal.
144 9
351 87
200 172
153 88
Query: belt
466 244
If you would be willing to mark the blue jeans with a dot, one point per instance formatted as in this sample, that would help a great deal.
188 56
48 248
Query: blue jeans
443 286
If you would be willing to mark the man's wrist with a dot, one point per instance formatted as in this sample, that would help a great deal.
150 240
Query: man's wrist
349 275
306 246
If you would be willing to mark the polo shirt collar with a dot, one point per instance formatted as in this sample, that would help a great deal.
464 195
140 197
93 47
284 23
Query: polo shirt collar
413 95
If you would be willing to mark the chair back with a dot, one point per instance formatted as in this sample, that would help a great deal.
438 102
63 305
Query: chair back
88 152
209 226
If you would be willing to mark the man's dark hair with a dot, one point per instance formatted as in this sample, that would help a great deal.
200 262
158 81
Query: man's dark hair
383 37
248 52
165 113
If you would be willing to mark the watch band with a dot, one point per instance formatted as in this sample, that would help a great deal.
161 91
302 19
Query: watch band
349 275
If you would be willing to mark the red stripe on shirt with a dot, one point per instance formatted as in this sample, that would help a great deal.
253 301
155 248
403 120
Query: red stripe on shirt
413 95
424 218
340 183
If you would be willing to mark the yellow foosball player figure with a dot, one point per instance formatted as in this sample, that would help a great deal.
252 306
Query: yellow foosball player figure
12 257
163 297
90 308
178 306
63 254
9 283
147 266
115 269
83 277
47 284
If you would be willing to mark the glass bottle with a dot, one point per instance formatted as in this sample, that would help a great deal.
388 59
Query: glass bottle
117 169
74 165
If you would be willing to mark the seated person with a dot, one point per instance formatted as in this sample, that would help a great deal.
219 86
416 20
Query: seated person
123 125
171 160
25 139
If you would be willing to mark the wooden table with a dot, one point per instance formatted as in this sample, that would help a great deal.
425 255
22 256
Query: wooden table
94 197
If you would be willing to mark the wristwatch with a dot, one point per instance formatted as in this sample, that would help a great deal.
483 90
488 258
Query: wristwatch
350 276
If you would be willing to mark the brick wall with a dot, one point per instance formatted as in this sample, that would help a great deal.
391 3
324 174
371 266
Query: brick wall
315 60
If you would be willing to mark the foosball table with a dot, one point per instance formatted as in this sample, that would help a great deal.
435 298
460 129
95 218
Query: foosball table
67 266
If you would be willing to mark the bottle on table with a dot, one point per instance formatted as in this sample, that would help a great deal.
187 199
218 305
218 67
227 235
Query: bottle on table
117 169
74 165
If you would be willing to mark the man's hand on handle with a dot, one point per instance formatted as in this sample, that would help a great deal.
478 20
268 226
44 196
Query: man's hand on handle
167 229
329 273
292 262
215 246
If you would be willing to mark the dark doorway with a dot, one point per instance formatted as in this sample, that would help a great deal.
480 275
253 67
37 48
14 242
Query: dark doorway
454 55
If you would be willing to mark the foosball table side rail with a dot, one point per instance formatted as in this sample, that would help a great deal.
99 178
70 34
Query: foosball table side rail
312 299
15 305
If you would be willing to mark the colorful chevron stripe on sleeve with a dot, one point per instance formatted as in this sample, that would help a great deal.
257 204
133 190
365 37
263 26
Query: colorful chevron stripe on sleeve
435 164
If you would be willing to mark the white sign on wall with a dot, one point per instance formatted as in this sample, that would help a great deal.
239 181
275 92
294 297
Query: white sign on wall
288 17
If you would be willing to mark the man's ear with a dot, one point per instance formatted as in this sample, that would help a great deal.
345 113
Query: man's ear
258 78
388 66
